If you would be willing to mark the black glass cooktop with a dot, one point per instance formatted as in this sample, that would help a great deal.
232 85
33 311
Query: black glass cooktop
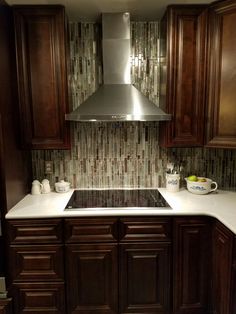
108 199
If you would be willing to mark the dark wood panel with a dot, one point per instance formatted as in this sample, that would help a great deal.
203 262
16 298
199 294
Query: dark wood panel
144 278
221 92
34 231
233 280
145 229
183 64
35 298
42 78
36 263
6 306
191 262
86 230
222 268
92 283
15 166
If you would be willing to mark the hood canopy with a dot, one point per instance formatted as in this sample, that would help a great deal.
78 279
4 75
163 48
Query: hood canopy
117 99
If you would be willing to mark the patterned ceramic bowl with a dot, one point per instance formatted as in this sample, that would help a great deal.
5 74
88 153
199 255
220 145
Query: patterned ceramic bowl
198 187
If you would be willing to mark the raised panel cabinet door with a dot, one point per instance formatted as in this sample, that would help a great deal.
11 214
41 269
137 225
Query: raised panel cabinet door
191 267
222 269
144 285
35 298
221 91
42 77
36 263
183 60
92 278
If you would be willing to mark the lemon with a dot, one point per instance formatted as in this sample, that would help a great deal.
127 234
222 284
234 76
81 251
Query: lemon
192 178
202 180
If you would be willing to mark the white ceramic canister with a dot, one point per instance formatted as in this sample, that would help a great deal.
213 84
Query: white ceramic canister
172 182
36 187
62 186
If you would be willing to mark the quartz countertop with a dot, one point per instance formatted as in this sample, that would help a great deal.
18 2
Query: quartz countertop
220 204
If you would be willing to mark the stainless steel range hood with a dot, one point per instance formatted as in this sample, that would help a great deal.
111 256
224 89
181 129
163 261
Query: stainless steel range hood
117 99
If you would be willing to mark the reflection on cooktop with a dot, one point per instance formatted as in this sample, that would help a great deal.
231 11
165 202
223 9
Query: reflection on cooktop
85 199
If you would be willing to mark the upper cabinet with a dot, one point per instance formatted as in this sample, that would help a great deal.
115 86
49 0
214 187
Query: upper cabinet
183 66
40 35
221 87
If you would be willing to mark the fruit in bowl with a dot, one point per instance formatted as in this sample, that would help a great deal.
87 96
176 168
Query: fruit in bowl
193 178
201 185
202 180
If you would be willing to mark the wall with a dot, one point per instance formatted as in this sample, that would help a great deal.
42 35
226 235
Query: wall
123 154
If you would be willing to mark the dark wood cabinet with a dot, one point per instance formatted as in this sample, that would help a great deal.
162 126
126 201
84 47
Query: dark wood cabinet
233 281
191 265
92 278
35 298
36 265
42 76
111 265
118 265
92 265
222 264
183 67
145 265
221 91
5 306
144 278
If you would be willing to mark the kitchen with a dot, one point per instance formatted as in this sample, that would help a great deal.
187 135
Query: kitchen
115 154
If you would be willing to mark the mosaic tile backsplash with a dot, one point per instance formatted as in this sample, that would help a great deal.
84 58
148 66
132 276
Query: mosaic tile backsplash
124 154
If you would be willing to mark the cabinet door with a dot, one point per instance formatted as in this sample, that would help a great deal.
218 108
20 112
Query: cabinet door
191 254
183 60
144 278
42 79
91 272
222 268
36 263
35 298
221 91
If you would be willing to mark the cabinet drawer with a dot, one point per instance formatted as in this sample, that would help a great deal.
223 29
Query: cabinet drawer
37 298
35 231
145 229
35 263
91 230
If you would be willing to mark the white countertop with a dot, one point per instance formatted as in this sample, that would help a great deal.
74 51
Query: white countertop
221 205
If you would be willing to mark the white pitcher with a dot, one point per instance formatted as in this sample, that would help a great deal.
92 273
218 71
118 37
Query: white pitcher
36 187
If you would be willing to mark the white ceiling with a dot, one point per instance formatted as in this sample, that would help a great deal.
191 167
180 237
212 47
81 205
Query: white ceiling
90 10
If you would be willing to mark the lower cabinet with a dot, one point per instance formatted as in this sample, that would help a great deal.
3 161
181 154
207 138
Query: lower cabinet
36 266
92 278
109 265
222 270
144 285
128 271
191 265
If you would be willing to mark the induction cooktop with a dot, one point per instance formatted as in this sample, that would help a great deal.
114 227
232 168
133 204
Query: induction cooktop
121 198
